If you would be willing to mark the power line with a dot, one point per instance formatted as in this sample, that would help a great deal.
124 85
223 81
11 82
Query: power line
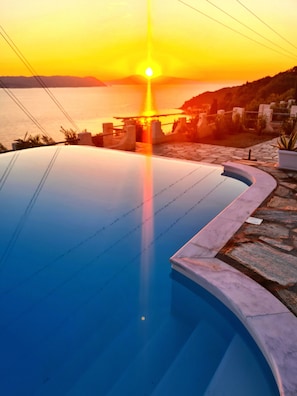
251 29
28 209
232 29
23 108
18 52
266 24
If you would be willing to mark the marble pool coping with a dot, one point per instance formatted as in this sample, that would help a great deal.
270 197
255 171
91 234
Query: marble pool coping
268 321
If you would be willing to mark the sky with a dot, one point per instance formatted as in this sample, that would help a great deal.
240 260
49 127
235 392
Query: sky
242 41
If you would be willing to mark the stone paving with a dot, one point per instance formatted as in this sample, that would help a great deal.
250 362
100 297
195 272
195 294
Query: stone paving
265 152
267 252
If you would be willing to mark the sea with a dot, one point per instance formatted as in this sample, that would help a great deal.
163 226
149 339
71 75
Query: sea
35 111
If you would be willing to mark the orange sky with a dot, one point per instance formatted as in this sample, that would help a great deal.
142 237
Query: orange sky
111 39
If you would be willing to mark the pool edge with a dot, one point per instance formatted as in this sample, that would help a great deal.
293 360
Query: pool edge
265 317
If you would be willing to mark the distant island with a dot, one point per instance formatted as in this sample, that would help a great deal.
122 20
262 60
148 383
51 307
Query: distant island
281 87
160 80
50 82
72 81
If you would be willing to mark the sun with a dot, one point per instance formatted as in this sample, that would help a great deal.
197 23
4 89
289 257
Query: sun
149 72
149 69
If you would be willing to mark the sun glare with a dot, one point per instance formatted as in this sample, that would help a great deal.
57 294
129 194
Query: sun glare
148 68
149 72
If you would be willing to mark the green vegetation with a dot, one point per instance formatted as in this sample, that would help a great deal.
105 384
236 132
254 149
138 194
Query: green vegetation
288 142
33 141
30 141
225 124
70 135
250 95
288 137
288 126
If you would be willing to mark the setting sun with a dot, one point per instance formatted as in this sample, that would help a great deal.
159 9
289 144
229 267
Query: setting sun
108 40
149 72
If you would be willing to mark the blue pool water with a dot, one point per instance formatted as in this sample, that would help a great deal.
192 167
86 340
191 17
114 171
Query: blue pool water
88 302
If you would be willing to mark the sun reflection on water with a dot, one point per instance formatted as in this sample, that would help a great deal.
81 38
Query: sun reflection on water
147 230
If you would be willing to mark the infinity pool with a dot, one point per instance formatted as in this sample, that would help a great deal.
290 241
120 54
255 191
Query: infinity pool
88 302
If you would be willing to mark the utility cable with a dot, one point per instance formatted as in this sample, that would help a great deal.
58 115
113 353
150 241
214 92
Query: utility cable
94 261
233 30
266 24
251 29
8 169
24 109
28 209
108 227
19 54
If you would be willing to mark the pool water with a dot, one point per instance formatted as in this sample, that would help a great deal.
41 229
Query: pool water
88 302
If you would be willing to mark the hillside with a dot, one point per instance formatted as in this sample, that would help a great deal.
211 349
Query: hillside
161 80
50 81
282 86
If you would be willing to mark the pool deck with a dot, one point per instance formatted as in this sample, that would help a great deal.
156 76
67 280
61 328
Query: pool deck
275 240
265 252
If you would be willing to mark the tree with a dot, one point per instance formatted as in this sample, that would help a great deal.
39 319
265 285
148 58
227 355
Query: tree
70 135
33 141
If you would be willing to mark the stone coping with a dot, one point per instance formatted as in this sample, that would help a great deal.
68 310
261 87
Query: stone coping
269 322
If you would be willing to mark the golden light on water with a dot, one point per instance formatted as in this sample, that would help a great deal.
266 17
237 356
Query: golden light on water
149 108
147 229
147 232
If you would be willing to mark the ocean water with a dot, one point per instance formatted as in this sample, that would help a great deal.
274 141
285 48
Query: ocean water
87 107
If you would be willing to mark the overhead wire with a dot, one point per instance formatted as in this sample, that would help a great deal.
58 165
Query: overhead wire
20 55
23 108
112 223
266 24
8 169
24 217
233 30
129 232
249 28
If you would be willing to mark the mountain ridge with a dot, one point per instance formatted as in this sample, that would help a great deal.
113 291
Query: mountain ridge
50 81
280 87
160 80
